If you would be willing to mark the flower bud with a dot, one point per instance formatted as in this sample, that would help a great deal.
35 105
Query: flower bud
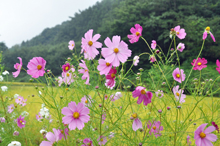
159 111
97 87
168 108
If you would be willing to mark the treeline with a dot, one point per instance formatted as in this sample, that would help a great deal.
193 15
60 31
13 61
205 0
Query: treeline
116 17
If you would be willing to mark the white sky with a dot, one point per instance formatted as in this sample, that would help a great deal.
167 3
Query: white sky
24 19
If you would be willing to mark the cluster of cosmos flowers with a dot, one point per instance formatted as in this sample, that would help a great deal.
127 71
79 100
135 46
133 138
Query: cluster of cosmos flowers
113 54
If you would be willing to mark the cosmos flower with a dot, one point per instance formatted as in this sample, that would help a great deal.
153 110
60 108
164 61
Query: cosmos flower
199 64
11 108
14 143
153 44
102 140
71 44
110 78
155 128
18 67
87 142
206 32
159 93
136 33
177 76
21 122
218 66
104 67
51 137
84 71
181 47
180 33
36 67
136 60
136 123
143 95
178 93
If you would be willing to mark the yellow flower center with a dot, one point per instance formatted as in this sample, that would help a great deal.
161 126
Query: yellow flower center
177 94
177 75
21 121
75 115
72 44
154 128
61 131
67 68
67 74
18 66
86 70
86 101
107 64
199 63
101 139
134 115
202 135
90 43
177 33
116 50
143 91
112 75
207 28
39 67
137 33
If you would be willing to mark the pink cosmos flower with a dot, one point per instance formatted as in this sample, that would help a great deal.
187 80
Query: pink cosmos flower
51 137
159 93
143 95
102 140
39 117
75 115
180 33
60 81
71 44
136 123
116 96
181 47
106 96
206 32
87 142
110 78
23 102
21 122
68 77
136 60
104 67
136 33
116 52
36 67
199 64
178 93
86 100
204 137
66 67
155 128
188 142
65 131
179 77
16 133
216 126
84 71
19 100
2 119
11 108
103 117
152 58
89 44
218 66
153 44
18 67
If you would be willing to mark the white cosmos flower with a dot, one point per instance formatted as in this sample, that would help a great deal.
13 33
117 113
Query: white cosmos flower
1 78
24 113
14 143
16 96
5 72
4 88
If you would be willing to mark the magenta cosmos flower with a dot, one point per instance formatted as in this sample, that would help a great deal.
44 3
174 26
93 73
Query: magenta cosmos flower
21 122
75 115
116 52
155 128
104 67
181 47
204 137
153 44
180 33
179 77
110 78
216 126
102 140
87 142
218 66
52 138
152 58
36 67
206 32
71 44
66 67
89 44
11 108
18 67
143 95
178 93
84 71
136 33
136 123
136 60
199 64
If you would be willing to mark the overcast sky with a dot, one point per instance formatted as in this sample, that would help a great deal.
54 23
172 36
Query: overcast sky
23 19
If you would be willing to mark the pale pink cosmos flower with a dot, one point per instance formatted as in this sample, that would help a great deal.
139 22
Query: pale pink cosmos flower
86 100
177 76
199 64
103 117
2 119
60 81
16 133
136 60
136 33
116 52
102 140
87 142
18 67
68 77
23 102
104 67
75 115
181 47
152 58
178 93
180 33
21 122
36 67
159 93
51 137
136 123
66 67
19 100
155 128
206 32
218 66
204 137
116 96
110 78
143 95
84 71
153 44
89 44
188 142
11 108
39 117
71 44
63 133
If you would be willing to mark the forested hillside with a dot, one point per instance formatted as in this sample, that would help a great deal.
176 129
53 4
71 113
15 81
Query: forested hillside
116 17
